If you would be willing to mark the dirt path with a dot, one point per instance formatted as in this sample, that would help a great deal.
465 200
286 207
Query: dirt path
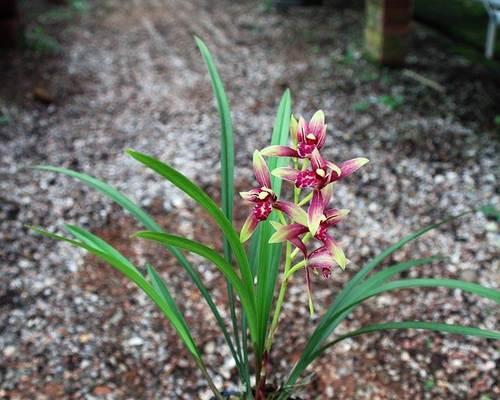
130 76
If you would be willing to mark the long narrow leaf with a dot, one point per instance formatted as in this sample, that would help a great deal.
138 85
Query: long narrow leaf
141 216
473 288
245 295
227 145
198 195
226 173
430 326
389 272
140 281
92 240
161 288
335 319
387 252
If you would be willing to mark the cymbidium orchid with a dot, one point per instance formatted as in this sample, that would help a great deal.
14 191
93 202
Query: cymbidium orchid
265 200
251 273
306 136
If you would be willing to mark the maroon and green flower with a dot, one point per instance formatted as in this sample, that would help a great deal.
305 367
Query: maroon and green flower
265 200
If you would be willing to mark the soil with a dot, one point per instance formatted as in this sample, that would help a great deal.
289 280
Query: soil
127 74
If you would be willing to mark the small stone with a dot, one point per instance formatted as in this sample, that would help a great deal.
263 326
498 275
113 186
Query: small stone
85 337
469 275
488 366
491 226
102 390
135 341
210 348
9 351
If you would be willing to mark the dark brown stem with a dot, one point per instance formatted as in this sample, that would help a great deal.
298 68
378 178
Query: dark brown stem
260 387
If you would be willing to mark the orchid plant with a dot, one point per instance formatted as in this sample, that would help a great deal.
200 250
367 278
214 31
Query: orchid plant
288 233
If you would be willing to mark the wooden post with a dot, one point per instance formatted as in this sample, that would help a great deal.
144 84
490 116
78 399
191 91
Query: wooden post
9 24
387 30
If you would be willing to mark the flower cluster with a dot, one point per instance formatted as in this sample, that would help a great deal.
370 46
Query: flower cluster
311 171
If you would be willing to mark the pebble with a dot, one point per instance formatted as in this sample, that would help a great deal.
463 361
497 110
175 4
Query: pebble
134 341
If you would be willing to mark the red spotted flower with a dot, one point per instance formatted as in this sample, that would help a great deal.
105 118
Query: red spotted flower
265 200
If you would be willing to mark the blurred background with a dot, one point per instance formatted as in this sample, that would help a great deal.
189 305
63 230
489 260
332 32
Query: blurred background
406 84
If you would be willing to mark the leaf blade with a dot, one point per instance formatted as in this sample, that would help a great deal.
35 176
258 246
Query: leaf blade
432 326
141 216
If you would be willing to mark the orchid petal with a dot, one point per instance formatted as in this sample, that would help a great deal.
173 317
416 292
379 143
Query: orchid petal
315 212
301 130
317 162
251 195
248 228
279 151
335 168
337 253
321 137
320 259
287 232
261 170
297 242
317 123
286 173
327 193
334 216
296 213
351 166
293 129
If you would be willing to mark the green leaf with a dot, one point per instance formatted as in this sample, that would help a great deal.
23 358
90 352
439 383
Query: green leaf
474 288
134 276
227 146
387 273
244 292
200 197
161 288
343 311
430 326
376 261
140 215
95 241
226 172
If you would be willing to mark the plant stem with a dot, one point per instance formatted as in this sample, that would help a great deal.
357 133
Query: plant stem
306 199
281 298
295 268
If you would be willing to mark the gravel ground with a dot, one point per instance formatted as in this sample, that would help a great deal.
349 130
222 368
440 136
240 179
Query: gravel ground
130 76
